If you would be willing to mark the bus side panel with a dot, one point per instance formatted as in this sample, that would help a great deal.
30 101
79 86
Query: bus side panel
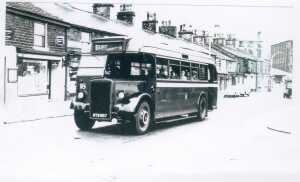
172 101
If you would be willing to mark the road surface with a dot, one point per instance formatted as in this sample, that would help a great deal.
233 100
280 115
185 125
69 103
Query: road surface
237 142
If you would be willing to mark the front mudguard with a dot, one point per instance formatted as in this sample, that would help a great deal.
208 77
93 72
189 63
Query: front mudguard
132 104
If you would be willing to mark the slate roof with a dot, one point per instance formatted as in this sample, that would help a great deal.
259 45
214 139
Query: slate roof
220 55
240 53
76 16
30 8
234 52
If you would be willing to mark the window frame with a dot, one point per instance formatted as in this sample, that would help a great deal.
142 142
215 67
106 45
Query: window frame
45 36
188 65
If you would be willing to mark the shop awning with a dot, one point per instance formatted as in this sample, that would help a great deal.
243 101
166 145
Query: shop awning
279 72
39 57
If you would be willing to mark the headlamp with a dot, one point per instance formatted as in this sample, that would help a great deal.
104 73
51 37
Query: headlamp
121 95
80 95
82 86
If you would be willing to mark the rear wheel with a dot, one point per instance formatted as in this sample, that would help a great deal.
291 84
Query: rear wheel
82 120
202 108
142 118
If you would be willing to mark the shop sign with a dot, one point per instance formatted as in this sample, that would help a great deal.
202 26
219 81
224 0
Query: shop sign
60 41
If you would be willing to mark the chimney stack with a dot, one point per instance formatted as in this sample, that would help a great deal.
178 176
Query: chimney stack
126 14
102 9
186 33
150 23
230 41
167 29
259 36
259 45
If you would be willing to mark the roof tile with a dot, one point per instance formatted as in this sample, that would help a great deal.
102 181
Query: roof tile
30 8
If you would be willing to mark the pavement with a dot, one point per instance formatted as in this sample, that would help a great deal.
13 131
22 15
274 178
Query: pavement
34 110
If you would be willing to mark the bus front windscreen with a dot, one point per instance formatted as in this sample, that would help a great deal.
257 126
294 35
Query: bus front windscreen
91 65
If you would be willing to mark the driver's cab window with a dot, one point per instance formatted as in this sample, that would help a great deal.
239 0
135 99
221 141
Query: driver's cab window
113 67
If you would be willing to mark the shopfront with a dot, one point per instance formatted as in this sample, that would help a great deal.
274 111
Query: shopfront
40 75
33 76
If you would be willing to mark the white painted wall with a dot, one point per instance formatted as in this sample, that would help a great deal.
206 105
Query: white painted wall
2 43
57 83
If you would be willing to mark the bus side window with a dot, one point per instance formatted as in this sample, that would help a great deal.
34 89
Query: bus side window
174 69
208 75
162 68
185 71
194 75
203 75
148 65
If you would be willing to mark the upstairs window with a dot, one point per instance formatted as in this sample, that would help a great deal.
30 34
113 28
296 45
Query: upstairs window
40 33
85 37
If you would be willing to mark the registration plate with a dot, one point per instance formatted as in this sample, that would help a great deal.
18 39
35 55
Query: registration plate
99 115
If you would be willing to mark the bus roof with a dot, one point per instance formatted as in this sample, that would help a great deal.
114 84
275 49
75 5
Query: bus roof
170 47
163 46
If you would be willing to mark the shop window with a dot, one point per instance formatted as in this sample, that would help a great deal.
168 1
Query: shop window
32 78
40 35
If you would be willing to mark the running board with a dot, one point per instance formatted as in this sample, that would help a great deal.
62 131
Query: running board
176 119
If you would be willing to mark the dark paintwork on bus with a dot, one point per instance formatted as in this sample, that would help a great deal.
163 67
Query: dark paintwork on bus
164 102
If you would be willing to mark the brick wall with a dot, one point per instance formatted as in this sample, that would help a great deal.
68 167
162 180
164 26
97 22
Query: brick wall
53 31
22 37
22 31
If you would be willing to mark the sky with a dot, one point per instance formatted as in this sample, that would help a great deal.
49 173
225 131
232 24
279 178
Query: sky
276 19
243 18
239 17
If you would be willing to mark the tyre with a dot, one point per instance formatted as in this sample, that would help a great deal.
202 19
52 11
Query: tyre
202 108
142 118
82 120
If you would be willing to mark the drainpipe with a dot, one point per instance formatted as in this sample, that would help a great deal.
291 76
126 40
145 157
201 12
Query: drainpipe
66 68
256 81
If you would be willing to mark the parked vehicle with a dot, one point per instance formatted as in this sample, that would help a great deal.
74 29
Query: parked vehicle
244 90
231 91
237 91
288 89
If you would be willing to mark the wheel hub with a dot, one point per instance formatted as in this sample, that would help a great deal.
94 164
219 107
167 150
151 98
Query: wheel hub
144 118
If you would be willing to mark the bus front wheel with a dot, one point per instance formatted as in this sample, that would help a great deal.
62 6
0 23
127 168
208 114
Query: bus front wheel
202 108
142 118
82 120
